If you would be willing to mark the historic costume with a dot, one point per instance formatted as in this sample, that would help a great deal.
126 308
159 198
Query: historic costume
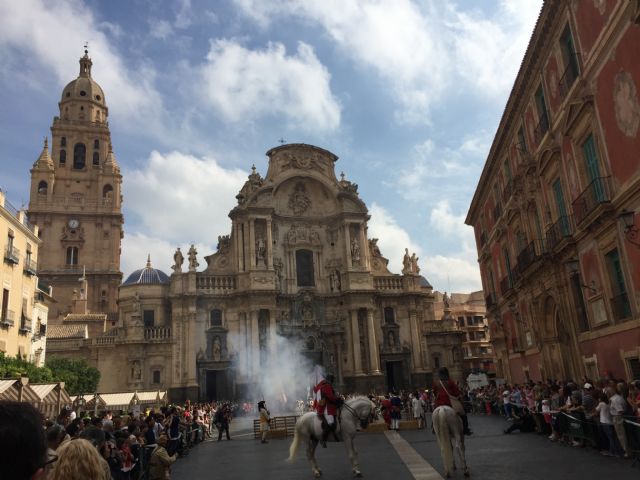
326 404
443 389
265 417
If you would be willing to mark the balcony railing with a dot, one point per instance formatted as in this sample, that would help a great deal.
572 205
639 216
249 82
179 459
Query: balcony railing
8 319
12 255
157 333
569 76
620 307
216 283
30 267
25 325
530 254
561 229
505 284
541 128
596 193
388 283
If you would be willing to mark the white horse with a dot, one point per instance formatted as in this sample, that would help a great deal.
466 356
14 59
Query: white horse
354 415
448 427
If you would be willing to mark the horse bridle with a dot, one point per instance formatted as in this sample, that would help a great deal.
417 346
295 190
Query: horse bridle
364 422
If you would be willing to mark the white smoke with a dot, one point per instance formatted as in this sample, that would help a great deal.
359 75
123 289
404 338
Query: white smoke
284 377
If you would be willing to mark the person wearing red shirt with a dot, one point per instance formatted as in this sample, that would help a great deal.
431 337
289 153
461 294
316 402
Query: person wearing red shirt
443 389
326 404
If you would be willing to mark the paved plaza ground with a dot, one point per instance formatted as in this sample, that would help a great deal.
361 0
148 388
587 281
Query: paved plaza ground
413 454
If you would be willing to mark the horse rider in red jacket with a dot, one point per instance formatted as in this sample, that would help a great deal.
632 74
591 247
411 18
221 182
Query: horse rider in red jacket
444 388
326 404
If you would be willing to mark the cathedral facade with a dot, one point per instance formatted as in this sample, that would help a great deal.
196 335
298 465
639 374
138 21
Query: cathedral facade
297 266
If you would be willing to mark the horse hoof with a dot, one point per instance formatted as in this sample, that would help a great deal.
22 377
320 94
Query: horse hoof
357 474
317 474
467 474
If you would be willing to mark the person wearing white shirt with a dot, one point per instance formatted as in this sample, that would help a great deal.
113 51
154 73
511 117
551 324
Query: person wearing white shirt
617 406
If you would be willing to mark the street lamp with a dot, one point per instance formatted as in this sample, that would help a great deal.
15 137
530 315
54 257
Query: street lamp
630 230
573 266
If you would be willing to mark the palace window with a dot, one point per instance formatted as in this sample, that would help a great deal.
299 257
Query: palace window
63 157
543 117
42 187
79 156
389 315
63 141
570 60
96 143
72 255
148 318
215 318
304 268
156 376
522 141
96 158
620 301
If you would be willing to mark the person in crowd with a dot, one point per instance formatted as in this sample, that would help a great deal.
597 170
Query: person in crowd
326 404
223 418
150 438
265 418
172 424
619 408
55 434
506 402
418 409
606 426
160 461
78 460
98 439
396 411
522 421
443 389
23 448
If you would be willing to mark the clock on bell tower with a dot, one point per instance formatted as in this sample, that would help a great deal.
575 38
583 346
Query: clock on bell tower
76 201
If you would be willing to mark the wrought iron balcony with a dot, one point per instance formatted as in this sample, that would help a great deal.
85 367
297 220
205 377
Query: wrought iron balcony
505 284
12 255
620 307
490 300
569 76
541 128
8 319
530 254
25 325
30 267
598 192
497 211
563 228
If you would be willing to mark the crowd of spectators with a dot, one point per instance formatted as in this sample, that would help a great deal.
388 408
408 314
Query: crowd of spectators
109 446
601 414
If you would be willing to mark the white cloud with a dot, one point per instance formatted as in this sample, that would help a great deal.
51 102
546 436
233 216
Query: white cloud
177 199
244 84
392 238
51 35
421 50
160 29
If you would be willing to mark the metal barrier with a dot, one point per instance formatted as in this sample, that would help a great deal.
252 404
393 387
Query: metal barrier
632 430
288 424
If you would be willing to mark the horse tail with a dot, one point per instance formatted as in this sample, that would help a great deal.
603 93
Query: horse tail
441 426
293 449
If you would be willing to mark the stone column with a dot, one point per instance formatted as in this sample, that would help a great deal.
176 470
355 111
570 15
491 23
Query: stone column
269 245
347 241
255 345
415 339
374 358
191 350
355 336
251 251
364 248
272 332
339 362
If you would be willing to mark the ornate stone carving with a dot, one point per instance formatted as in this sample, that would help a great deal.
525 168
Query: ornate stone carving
178 260
373 247
627 107
193 262
224 243
261 251
299 201
355 251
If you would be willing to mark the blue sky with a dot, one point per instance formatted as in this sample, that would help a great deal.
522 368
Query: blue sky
407 94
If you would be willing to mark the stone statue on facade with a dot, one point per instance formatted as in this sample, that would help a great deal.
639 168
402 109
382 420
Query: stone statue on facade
136 305
355 250
136 372
178 260
414 264
217 349
193 262
406 262
445 300
261 251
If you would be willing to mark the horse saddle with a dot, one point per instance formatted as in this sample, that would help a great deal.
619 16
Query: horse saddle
336 435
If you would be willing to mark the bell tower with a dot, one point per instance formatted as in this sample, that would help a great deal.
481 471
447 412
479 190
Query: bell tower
76 201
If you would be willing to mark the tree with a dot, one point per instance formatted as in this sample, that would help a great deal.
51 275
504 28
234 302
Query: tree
11 367
77 375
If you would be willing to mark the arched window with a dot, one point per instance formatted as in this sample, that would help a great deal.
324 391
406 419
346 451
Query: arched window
72 255
215 318
389 315
96 144
63 157
304 268
63 141
42 187
79 156
96 158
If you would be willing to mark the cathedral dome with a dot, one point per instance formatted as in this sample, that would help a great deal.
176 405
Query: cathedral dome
84 87
147 276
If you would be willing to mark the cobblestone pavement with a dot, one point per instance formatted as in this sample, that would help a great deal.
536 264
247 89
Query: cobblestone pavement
411 454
